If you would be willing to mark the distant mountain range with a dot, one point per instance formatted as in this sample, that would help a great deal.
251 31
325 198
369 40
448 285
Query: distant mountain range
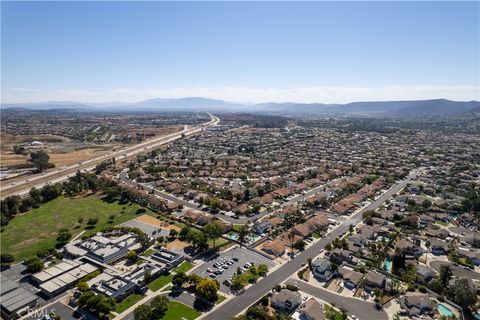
414 108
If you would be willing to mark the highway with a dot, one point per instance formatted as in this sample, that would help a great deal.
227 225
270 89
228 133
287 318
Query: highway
240 303
64 173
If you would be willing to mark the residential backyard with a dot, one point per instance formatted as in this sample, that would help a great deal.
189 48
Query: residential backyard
38 229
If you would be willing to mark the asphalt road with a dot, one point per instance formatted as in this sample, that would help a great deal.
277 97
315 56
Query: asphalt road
256 292
88 165
362 309
457 270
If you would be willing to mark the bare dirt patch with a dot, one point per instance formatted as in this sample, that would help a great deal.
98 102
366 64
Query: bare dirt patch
69 158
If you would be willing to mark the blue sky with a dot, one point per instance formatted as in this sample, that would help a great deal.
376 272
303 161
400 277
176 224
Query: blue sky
240 51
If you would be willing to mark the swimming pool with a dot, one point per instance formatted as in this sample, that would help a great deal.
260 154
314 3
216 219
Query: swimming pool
233 236
387 265
444 311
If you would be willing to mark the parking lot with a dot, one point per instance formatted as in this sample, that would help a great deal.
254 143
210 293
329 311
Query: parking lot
243 256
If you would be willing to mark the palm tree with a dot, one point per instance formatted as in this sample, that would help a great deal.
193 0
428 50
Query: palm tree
427 244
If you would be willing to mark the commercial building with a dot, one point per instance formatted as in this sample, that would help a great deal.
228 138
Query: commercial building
104 248
171 259
58 278
15 300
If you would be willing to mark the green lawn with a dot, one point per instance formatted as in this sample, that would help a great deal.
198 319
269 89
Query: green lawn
331 313
315 235
38 228
128 302
236 227
440 222
160 282
148 252
218 241
183 267
220 298
177 310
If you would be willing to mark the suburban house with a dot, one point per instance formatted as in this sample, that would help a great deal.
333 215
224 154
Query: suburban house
312 310
415 304
409 248
286 300
322 269
426 273
275 247
339 256
351 278
262 227
302 230
374 280
438 247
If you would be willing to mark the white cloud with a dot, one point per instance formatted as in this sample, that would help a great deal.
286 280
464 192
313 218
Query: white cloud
324 94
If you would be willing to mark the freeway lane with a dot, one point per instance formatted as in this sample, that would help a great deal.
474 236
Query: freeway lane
238 304
64 173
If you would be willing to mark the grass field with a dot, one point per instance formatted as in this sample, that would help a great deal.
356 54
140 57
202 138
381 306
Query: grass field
148 252
128 302
38 228
160 282
177 310
184 267
220 298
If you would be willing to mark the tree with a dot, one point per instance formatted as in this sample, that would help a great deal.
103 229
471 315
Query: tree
6 259
207 289
213 230
142 312
243 232
179 279
63 237
445 274
463 294
426 203
173 233
82 286
34 265
184 232
40 160
159 306
262 270
299 244
328 247
193 279
19 150
198 239
237 283
350 229
246 196
378 293
467 205
132 257
257 313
